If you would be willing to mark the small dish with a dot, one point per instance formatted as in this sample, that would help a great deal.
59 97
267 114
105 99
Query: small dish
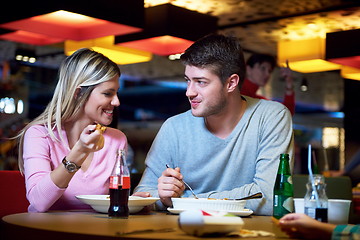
243 213
101 203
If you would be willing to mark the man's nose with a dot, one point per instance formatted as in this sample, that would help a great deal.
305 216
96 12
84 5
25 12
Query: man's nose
190 90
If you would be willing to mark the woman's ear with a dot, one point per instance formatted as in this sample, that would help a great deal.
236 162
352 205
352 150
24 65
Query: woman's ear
233 82
77 92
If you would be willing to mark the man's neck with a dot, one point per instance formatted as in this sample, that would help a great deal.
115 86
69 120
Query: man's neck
223 124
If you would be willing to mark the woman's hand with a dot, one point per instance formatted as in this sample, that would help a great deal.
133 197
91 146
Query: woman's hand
299 225
91 139
170 185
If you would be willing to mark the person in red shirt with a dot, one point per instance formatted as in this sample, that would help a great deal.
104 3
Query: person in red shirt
258 71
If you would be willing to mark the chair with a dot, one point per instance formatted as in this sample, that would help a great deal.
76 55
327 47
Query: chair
12 193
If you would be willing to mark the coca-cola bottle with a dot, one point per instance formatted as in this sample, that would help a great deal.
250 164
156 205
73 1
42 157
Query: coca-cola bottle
119 188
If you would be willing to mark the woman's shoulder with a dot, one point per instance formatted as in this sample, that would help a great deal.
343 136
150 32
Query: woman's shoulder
37 129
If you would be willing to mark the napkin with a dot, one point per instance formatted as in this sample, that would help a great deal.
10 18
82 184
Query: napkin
214 223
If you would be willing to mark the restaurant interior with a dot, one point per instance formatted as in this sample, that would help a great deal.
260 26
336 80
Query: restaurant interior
146 37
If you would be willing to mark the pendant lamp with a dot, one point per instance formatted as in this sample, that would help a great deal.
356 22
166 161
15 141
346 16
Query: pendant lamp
305 56
105 45
169 29
350 73
344 48
75 20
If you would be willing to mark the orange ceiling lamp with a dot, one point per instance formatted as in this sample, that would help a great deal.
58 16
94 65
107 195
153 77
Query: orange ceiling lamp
350 73
305 56
74 20
105 45
169 29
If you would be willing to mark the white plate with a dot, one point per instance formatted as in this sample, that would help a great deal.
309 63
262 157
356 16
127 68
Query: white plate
101 203
243 213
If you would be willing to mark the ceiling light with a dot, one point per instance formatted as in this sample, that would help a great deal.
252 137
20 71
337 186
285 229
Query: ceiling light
25 55
74 20
169 30
343 48
29 38
305 56
105 45
304 86
350 73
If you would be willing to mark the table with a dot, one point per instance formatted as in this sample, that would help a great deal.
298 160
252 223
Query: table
90 225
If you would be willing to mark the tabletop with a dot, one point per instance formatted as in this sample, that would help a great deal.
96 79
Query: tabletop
90 225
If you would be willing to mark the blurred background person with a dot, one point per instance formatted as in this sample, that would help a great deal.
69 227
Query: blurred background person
259 68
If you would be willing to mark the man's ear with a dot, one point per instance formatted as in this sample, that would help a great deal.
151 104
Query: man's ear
233 82
77 92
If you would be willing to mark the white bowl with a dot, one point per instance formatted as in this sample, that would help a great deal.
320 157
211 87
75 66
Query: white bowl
101 203
208 204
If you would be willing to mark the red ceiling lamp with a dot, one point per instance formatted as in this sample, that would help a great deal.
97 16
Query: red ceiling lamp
29 37
169 30
344 48
43 22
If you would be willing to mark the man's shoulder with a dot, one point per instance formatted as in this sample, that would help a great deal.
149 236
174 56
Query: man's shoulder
181 117
182 120
265 105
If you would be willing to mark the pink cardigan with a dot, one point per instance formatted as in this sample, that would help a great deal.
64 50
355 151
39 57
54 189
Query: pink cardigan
42 155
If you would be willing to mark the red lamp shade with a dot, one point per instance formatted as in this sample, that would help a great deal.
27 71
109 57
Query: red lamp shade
56 21
30 38
162 45
344 48
169 30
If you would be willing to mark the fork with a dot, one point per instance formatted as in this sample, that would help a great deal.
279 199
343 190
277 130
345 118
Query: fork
187 185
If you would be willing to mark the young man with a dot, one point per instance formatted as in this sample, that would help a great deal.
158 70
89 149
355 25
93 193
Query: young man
226 146
258 71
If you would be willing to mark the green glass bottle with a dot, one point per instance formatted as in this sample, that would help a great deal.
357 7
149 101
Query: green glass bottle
283 189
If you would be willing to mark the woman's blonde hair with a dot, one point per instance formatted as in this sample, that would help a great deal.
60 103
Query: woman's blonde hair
84 69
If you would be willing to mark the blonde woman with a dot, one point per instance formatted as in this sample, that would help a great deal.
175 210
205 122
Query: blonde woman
62 153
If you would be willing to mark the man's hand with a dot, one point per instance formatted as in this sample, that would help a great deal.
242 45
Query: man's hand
170 185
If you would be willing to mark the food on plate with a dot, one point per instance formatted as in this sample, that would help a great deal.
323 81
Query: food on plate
217 198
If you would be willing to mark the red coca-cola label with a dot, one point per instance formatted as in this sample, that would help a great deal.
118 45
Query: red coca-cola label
114 182
125 182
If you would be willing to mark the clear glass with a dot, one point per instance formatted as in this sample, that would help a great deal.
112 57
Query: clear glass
315 200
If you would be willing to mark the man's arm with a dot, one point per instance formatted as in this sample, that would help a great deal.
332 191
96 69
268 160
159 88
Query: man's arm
157 179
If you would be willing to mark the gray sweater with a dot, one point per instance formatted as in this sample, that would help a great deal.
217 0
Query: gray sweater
244 163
